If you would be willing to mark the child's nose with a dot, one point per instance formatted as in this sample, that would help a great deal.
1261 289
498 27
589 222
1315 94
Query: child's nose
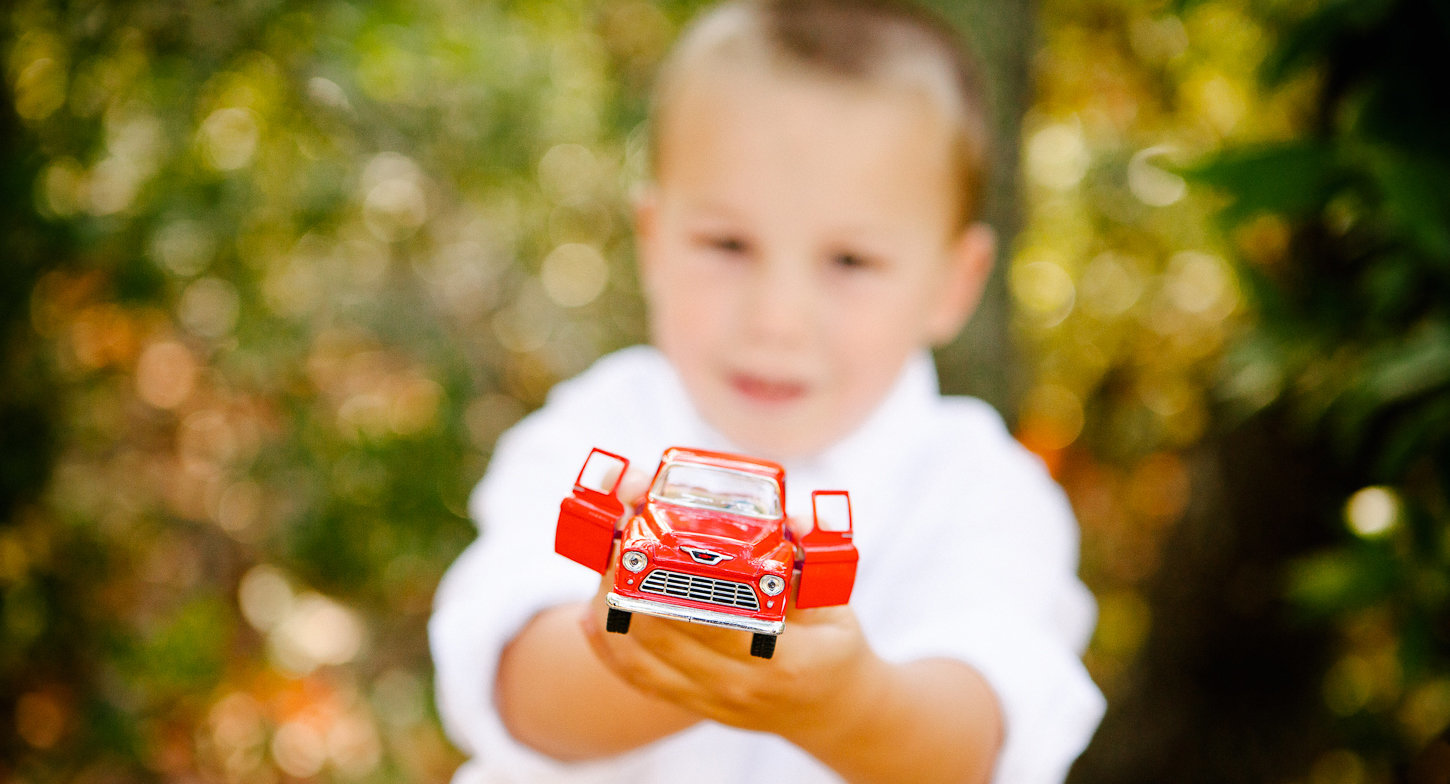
782 304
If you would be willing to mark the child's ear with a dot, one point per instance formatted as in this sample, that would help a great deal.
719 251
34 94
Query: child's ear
969 264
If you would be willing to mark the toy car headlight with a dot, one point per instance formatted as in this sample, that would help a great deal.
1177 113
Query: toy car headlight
772 584
634 560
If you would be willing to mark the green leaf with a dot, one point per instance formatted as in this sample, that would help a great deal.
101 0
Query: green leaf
1338 580
1393 379
1416 198
1415 367
1293 179
1318 37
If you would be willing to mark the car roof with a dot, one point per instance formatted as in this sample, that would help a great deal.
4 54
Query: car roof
750 465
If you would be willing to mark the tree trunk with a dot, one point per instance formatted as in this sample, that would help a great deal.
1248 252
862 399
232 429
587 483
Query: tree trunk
982 360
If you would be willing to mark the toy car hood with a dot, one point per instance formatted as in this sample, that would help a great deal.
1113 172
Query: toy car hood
682 529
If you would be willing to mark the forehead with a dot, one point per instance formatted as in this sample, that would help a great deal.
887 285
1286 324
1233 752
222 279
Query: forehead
783 135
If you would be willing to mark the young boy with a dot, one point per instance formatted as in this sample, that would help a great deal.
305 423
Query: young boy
807 236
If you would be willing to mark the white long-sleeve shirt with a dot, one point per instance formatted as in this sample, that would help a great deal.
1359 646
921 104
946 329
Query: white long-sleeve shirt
967 550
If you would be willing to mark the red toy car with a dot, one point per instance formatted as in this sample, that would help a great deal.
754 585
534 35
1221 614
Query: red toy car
709 543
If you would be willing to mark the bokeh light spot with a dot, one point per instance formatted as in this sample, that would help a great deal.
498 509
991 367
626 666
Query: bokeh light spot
236 723
399 697
299 749
1044 290
1151 184
229 138
1202 284
1110 285
1052 417
40 86
112 186
353 745
1159 487
63 188
209 307
1426 711
183 247
574 274
414 406
1349 685
394 202
1372 512
568 172
527 323
316 631
265 596
1057 156
487 417
40 719
165 374
239 508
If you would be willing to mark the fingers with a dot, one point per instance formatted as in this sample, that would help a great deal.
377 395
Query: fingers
633 486
800 526
681 663
819 616
641 667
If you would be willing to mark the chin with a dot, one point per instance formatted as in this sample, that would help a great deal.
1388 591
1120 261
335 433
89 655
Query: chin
774 444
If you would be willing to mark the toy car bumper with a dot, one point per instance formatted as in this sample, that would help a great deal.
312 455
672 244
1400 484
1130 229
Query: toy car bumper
693 614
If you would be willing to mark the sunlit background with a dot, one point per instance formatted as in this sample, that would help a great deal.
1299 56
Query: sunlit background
276 275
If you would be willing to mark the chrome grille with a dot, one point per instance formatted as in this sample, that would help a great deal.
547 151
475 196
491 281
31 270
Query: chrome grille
701 589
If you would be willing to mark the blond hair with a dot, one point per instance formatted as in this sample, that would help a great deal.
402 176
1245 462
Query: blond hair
871 42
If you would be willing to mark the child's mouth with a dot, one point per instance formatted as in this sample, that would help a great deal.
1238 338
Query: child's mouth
762 390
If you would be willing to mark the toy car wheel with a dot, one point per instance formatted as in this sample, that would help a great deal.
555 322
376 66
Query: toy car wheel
762 645
618 621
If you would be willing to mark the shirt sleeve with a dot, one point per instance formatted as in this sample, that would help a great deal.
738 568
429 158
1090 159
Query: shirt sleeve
999 591
506 577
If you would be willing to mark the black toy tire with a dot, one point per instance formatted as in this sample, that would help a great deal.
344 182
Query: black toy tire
618 621
762 645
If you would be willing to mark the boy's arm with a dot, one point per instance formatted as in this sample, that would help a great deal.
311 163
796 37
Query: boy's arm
825 691
555 696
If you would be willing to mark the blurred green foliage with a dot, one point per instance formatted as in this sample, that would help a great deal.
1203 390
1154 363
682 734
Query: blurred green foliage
277 275
1351 344
1241 378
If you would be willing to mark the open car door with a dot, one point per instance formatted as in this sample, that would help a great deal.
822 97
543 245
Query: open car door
587 518
828 561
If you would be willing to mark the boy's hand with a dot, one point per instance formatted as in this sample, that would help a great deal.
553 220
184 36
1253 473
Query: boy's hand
824 690
815 680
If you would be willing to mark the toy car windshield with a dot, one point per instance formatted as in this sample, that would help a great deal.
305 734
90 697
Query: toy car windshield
718 489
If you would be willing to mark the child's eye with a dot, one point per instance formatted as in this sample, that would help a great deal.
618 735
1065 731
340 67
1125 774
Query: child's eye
729 244
723 243
851 261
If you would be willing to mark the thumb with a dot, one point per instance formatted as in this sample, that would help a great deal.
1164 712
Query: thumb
633 486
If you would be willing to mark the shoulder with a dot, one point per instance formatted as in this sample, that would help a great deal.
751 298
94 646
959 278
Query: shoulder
619 388
990 472
602 406
972 435
626 378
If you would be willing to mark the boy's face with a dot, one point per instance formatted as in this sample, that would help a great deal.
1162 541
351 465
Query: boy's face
799 244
